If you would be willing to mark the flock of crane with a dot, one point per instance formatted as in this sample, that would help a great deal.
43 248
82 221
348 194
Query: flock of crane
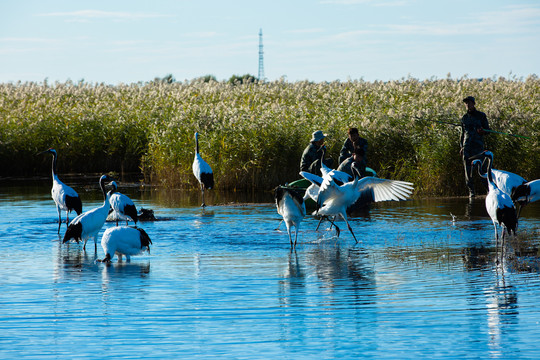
120 241
335 193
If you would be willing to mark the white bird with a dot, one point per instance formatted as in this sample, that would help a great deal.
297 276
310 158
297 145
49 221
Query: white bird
340 177
504 180
88 224
124 241
499 206
122 206
333 199
312 191
526 193
202 171
65 197
290 205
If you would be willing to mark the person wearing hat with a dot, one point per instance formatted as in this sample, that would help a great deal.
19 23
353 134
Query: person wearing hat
353 138
314 154
473 124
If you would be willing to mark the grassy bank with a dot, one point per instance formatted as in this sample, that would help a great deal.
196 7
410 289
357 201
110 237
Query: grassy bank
253 134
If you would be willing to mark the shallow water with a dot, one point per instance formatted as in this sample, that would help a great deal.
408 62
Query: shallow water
223 283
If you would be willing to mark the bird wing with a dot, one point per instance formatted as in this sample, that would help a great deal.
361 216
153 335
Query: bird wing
119 200
289 203
329 190
299 204
340 176
506 181
200 166
312 192
279 193
534 186
115 201
92 219
528 192
497 199
69 191
325 169
314 179
59 192
289 206
384 189
77 219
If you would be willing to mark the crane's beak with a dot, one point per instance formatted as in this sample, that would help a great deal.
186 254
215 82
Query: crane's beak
480 156
356 172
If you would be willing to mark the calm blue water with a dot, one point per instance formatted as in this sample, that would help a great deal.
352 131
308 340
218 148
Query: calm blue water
223 283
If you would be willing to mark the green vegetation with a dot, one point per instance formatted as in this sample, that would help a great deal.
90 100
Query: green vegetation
253 134
242 79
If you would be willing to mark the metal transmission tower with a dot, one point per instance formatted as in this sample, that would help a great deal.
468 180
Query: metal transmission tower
261 58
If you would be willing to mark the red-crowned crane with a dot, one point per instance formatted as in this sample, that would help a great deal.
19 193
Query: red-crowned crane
526 193
504 180
202 171
340 177
333 199
64 197
124 241
88 224
122 206
290 205
499 205
312 191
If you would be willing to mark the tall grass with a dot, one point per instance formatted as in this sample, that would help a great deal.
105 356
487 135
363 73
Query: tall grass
253 134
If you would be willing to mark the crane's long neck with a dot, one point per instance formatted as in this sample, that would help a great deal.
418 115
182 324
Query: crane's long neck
489 174
54 164
102 186
196 144
356 175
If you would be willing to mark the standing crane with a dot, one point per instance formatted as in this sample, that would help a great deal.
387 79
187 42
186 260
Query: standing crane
124 241
202 171
290 205
122 206
64 197
88 224
499 205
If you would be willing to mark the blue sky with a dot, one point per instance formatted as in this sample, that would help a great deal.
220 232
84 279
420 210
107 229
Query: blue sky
116 41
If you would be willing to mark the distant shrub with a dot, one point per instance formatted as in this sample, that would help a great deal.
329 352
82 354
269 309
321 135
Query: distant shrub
242 79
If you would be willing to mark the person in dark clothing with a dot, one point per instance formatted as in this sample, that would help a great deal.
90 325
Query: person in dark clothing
473 124
348 146
356 160
314 154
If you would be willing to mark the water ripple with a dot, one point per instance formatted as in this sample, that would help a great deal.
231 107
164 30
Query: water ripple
222 282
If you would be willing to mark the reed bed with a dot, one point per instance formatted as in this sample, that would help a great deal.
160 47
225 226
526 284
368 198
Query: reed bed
253 134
